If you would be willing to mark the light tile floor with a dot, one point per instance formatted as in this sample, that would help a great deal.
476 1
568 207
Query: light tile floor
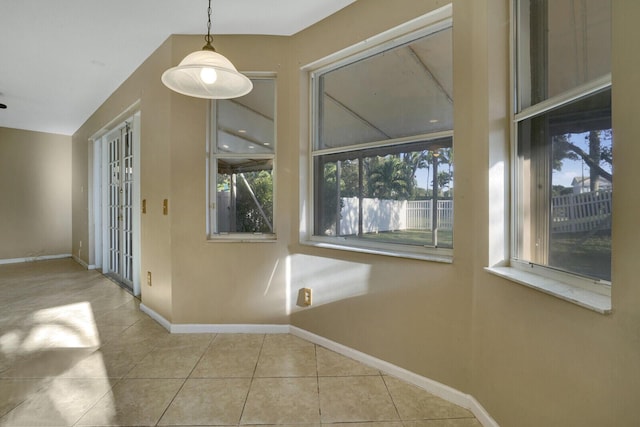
76 350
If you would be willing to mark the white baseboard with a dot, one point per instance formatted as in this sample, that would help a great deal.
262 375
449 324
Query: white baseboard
438 389
84 264
481 414
35 258
157 317
192 328
229 329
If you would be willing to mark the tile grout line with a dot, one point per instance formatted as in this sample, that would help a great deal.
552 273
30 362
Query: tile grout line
255 368
42 385
97 400
5 416
124 377
117 381
315 352
386 386
152 341
185 380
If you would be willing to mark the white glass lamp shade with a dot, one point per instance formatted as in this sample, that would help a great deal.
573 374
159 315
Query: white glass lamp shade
207 74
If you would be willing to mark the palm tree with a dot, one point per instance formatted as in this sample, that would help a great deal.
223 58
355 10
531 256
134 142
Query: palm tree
412 162
388 179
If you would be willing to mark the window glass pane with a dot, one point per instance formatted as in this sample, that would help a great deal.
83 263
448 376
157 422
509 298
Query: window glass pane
386 194
561 44
244 196
246 124
565 188
404 91
242 158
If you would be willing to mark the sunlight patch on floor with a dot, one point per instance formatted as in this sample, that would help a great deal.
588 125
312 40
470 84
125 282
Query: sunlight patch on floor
54 347
67 326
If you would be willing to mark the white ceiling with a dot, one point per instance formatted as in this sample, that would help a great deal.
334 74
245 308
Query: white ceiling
61 59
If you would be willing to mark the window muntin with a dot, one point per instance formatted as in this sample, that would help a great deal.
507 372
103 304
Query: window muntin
563 156
383 124
241 164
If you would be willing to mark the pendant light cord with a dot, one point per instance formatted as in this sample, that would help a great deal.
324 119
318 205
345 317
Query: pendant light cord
209 38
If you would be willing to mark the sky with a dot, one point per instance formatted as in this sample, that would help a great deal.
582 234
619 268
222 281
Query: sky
577 168
570 168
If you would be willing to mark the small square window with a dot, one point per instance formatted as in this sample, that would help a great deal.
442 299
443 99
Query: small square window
244 198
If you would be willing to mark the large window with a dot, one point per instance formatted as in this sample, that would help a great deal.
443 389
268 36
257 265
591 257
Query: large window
563 155
241 164
382 149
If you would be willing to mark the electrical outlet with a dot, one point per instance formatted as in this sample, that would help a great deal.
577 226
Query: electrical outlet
306 296
149 278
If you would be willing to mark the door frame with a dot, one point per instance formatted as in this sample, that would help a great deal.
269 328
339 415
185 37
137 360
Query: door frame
98 187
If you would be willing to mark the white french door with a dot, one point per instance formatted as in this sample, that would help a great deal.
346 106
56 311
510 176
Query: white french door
118 221
114 200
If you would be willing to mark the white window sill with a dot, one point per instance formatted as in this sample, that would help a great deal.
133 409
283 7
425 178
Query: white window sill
242 238
444 258
585 298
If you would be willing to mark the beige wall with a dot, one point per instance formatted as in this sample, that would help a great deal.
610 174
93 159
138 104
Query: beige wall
412 313
35 188
143 86
529 358
536 360
216 282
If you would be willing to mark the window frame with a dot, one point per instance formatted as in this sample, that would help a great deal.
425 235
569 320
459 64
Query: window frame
584 91
590 293
212 157
430 23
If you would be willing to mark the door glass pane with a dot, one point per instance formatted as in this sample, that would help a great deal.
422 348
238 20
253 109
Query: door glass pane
114 204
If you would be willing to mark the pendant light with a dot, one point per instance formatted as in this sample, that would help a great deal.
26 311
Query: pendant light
207 74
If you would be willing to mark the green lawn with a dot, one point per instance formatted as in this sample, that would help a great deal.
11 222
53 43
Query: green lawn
581 253
412 237
588 255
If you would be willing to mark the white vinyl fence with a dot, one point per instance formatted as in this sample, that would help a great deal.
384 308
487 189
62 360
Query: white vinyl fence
389 215
569 213
420 214
377 215
581 212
